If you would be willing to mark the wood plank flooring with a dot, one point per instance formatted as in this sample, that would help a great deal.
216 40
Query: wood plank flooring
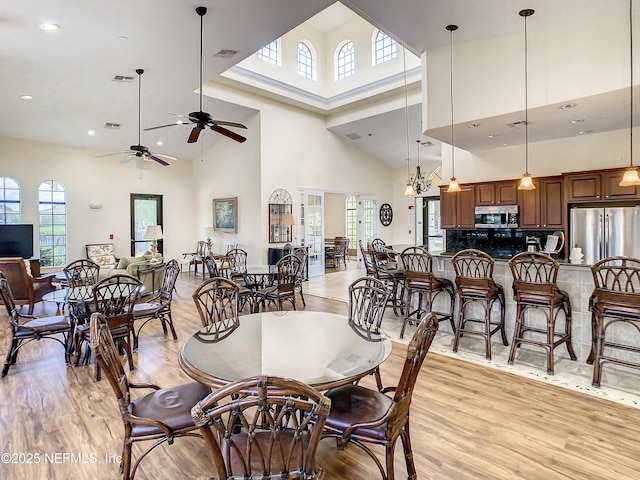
468 421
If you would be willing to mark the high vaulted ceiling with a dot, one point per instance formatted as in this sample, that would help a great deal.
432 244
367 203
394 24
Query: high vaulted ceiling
70 72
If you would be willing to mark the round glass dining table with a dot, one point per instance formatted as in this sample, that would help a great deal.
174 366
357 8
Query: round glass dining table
320 349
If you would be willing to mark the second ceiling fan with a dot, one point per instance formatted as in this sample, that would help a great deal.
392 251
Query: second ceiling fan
201 119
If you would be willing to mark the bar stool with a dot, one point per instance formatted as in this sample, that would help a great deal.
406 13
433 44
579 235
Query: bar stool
475 285
535 288
420 280
615 299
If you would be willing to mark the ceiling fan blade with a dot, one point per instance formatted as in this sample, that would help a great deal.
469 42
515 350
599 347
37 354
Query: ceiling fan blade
162 126
195 133
110 154
156 159
165 157
228 133
128 159
229 124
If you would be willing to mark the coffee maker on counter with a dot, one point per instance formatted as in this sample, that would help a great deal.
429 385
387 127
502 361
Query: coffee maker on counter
533 243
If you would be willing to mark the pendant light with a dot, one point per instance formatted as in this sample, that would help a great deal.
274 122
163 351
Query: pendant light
630 178
408 190
526 183
453 183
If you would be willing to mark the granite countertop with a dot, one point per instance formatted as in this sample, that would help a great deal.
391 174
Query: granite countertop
506 258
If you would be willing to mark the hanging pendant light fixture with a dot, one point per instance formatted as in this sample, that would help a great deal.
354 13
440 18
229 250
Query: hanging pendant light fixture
419 184
409 190
630 178
526 183
453 183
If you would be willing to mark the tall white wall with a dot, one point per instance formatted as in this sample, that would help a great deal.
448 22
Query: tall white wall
106 181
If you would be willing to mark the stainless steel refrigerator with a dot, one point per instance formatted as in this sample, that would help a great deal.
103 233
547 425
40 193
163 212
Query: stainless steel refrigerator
604 232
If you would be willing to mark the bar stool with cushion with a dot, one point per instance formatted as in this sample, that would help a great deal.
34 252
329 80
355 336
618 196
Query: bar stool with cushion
615 300
534 288
475 285
420 281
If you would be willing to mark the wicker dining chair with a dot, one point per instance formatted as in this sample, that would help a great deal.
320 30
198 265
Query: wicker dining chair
263 428
162 415
363 416
367 300
289 268
82 273
218 303
27 328
160 308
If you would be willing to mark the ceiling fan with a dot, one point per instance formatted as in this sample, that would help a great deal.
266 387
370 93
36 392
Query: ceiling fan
202 119
141 151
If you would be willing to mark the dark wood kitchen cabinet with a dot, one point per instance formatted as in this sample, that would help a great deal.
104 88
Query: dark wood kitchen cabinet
542 208
497 193
597 186
457 210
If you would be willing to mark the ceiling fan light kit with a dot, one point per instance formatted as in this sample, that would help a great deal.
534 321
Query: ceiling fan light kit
201 119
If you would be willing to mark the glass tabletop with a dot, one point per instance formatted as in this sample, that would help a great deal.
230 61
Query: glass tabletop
69 295
317 348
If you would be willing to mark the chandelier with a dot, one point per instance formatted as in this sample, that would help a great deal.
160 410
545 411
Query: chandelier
418 182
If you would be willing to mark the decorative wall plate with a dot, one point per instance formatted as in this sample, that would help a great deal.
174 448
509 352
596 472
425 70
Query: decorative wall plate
386 214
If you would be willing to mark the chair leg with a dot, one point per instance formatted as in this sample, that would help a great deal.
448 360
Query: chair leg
302 297
11 356
408 453
503 331
517 333
487 329
567 331
457 331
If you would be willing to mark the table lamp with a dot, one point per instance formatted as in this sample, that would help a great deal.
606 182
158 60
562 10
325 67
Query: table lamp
153 233
209 232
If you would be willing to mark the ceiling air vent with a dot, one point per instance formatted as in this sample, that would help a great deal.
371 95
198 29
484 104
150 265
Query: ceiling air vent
122 78
427 144
353 136
112 126
517 124
226 53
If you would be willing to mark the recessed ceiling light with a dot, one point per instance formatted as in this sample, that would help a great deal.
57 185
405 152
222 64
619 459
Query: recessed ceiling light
473 125
579 120
493 135
91 133
585 132
49 27
26 97
566 106
159 143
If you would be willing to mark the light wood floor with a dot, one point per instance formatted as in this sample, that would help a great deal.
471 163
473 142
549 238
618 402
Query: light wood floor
468 421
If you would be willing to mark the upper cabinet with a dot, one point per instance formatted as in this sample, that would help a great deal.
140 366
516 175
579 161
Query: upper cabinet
457 210
496 193
597 186
542 208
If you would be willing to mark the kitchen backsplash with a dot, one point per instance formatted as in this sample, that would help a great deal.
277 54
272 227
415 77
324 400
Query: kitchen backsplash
497 242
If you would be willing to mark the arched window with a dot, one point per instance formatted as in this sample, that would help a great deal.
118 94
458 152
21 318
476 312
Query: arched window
351 205
9 200
306 61
52 206
271 53
384 48
345 61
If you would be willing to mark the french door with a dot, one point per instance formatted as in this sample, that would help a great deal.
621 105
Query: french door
146 209
311 229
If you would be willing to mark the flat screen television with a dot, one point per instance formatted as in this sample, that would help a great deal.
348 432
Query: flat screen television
16 241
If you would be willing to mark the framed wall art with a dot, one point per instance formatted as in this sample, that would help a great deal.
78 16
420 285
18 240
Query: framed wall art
225 214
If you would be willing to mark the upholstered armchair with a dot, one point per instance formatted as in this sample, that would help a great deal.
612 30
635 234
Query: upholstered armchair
27 290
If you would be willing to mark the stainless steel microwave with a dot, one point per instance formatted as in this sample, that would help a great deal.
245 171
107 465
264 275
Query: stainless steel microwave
504 216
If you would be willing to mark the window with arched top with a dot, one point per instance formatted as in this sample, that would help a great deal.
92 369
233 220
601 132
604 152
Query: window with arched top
345 61
306 61
384 48
271 53
9 201
52 208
